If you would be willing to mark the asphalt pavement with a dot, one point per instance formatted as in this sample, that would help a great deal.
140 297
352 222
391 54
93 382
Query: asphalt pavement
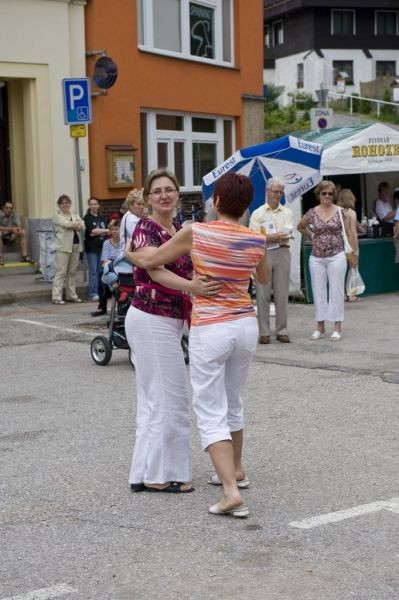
321 452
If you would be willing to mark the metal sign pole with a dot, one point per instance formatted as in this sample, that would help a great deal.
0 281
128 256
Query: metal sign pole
80 200
77 113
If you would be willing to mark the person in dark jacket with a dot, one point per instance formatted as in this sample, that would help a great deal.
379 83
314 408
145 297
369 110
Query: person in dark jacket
95 233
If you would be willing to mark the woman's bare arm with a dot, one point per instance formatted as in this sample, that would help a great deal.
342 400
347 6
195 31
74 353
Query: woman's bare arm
150 257
263 272
303 227
199 285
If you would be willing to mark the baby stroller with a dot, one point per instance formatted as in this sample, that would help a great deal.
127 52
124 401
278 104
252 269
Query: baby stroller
118 277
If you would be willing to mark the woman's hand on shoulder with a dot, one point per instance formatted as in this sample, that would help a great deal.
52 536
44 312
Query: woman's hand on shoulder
200 285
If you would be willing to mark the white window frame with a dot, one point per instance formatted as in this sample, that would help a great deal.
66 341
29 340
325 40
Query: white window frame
385 61
188 137
348 80
386 11
280 36
340 10
300 75
268 36
216 5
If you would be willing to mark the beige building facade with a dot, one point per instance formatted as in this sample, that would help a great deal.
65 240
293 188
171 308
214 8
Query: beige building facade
41 43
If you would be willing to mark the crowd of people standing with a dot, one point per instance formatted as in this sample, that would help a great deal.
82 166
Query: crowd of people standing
201 274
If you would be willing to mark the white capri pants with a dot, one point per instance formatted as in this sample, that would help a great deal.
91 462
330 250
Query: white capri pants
220 357
162 450
328 272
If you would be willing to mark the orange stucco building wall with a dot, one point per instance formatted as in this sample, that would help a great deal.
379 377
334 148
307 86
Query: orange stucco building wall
149 80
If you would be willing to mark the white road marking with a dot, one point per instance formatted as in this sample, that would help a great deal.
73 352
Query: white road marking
65 329
340 515
46 593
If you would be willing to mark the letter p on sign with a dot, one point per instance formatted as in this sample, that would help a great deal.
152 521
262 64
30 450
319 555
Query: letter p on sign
77 101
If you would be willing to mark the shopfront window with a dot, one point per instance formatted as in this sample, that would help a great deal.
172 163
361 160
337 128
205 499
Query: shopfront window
278 33
204 160
343 69
200 30
386 22
299 75
385 68
268 36
171 122
343 22
167 24
190 145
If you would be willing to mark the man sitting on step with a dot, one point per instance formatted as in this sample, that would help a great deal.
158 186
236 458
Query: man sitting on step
10 230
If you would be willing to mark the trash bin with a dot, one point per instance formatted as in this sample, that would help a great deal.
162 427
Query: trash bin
47 261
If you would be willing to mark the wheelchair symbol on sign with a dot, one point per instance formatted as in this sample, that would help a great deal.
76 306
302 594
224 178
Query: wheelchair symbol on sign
82 113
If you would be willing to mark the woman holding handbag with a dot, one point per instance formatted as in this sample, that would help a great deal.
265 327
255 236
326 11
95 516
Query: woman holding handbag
328 227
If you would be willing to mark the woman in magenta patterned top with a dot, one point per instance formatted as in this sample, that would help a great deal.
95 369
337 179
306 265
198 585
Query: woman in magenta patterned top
151 298
154 326
327 263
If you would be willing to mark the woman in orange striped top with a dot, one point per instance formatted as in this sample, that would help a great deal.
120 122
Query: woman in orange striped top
224 330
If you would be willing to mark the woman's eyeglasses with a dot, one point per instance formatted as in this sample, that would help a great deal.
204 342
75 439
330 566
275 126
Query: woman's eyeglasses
167 191
326 194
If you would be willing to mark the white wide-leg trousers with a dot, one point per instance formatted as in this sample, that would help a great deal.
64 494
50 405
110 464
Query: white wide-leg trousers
220 357
328 286
162 450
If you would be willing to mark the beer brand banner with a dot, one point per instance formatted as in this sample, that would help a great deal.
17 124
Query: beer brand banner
359 149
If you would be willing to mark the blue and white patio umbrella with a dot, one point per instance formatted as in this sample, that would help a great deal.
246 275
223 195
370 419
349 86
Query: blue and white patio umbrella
293 160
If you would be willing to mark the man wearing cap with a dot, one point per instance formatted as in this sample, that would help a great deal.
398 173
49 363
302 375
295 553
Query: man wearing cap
276 221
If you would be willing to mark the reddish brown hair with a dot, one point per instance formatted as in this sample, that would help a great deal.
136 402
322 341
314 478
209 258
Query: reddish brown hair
235 194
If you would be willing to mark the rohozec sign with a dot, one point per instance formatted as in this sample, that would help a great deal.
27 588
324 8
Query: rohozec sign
77 101
321 118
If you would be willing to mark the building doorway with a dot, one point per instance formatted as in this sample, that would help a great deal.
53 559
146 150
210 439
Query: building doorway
5 178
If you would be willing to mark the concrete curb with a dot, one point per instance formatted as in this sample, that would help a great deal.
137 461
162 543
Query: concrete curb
13 296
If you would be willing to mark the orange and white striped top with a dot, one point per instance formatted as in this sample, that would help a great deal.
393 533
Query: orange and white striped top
227 252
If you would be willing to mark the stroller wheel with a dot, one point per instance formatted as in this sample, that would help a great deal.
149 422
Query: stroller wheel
131 358
101 350
184 345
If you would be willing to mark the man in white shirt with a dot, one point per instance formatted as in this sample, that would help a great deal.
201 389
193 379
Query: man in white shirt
135 211
383 208
276 221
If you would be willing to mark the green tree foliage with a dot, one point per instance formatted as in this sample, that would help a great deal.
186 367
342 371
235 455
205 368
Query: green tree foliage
281 121
387 110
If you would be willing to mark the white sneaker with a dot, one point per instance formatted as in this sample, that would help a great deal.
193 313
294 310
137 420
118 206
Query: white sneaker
95 299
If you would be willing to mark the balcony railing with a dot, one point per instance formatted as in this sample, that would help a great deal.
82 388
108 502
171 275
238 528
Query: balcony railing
352 98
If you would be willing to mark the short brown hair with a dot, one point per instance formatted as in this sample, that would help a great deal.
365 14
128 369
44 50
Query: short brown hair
323 185
234 193
162 172
114 223
62 198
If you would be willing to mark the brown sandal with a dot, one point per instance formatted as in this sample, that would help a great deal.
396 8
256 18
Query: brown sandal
1 261
27 259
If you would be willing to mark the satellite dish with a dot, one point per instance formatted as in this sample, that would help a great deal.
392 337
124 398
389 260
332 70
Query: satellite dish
105 72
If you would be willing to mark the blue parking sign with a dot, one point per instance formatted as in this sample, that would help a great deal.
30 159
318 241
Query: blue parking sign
77 101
